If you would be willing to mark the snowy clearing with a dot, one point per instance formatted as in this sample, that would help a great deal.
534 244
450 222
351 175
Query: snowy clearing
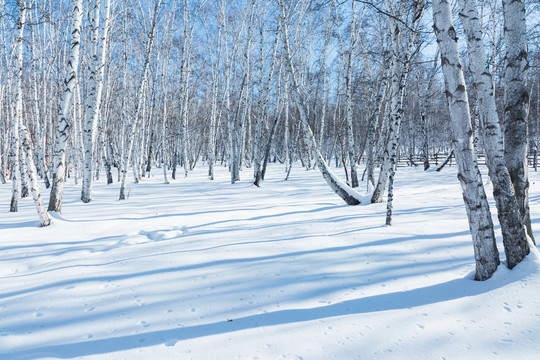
207 270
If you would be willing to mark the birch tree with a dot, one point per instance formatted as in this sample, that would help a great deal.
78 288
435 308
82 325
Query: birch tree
399 70
264 98
19 129
376 114
185 73
44 218
215 115
38 116
516 104
57 189
164 74
349 195
348 96
514 236
237 119
15 143
474 196
96 68
132 122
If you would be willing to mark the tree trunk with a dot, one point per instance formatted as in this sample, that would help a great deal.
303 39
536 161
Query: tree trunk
474 196
516 104
514 236
57 190
399 73
15 142
446 161
96 70
261 117
212 133
425 143
133 121
38 118
349 195
372 127
348 104
44 218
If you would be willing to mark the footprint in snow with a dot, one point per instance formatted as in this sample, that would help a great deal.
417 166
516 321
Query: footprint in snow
290 357
167 234
137 239
171 342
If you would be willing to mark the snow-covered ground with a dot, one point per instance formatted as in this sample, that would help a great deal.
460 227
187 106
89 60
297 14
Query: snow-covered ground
208 270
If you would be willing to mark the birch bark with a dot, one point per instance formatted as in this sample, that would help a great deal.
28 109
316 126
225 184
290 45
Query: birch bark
516 104
348 97
376 113
185 74
514 236
398 77
263 105
260 116
238 121
57 189
96 69
349 195
38 115
44 217
215 67
474 196
136 112
15 142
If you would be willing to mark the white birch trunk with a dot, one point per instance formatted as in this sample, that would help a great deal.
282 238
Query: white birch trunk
394 120
256 158
38 118
514 236
57 190
185 73
164 159
288 157
474 196
76 134
516 104
212 133
327 37
16 120
240 113
125 95
135 116
373 122
399 73
264 97
24 170
348 99
44 218
349 195
419 8
4 144
96 69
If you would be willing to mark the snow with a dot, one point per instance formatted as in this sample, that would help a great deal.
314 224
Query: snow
201 269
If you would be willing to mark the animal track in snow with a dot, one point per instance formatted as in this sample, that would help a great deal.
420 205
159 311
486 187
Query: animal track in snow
167 234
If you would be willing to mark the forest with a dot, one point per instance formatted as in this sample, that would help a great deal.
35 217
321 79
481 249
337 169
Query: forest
141 94
102 86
